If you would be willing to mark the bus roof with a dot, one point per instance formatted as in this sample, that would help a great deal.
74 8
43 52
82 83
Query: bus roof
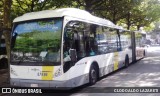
72 12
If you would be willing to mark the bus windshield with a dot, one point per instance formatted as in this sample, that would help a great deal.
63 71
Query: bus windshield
37 41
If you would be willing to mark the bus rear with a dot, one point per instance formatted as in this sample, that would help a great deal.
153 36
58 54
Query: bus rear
36 53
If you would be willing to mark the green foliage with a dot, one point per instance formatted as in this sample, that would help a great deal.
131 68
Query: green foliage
1 10
149 28
131 13
143 16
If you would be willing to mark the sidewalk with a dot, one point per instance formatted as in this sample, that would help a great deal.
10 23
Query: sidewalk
4 80
2 71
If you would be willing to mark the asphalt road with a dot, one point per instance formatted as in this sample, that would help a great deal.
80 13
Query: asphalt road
144 73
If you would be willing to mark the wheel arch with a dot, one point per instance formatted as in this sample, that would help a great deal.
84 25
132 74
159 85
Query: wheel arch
89 64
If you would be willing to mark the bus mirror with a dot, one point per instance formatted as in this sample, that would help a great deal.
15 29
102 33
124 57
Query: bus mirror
73 55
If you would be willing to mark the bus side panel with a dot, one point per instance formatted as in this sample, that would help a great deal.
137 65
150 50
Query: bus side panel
139 53
140 42
79 73
122 56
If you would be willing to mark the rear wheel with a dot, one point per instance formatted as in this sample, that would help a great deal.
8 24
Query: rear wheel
93 75
144 53
126 61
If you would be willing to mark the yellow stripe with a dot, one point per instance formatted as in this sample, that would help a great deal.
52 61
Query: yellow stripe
115 60
48 72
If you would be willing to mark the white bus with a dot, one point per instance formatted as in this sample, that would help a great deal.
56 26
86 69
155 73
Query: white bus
65 48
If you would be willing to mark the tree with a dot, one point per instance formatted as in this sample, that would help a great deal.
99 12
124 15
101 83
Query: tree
7 24
114 10
146 13
1 18
20 7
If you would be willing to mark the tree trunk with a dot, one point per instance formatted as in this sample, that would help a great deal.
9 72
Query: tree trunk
32 6
88 6
0 30
128 21
138 27
114 12
6 26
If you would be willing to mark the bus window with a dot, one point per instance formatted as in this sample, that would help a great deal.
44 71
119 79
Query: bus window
74 39
140 41
108 40
125 40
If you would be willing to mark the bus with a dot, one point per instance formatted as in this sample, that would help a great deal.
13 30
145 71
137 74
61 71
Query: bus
66 48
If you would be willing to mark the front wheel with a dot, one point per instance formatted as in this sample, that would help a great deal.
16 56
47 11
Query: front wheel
93 76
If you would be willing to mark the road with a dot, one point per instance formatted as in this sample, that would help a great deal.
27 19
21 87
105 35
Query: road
144 73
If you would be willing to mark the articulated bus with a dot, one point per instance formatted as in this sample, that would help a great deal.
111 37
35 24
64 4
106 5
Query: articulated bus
67 48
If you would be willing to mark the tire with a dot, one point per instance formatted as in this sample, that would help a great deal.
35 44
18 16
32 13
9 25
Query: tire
144 53
93 75
126 61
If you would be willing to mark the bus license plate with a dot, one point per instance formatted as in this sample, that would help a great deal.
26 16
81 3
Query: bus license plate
34 85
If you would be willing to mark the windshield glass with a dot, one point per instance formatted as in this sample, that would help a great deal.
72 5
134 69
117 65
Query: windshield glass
37 41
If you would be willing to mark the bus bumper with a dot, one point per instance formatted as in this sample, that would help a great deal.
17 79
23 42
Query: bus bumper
40 84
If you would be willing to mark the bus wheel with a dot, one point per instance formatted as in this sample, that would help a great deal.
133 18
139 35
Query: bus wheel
144 53
93 75
126 61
